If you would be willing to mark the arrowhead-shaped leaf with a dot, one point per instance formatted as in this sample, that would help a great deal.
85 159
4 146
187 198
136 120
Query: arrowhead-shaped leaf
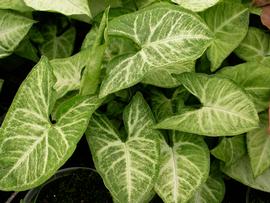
66 7
226 109
254 78
162 76
31 147
183 167
258 145
255 46
57 46
129 168
242 172
196 5
229 22
229 150
166 34
13 28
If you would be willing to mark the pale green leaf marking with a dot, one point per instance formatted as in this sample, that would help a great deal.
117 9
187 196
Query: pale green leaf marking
226 109
258 145
254 78
229 22
162 76
57 46
255 46
128 168
229 150
13 28
196 5
17 5
31 147
68 72
167 34
66 7
242 172
183 167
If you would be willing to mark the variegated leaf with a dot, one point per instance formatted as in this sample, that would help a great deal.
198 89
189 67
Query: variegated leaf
57 46
129 163
183 167
229 22
162 76
258 145
68 72
229 150
167 34
196 5
66 7
254 78
13 28
242 172
212 191
255 47
226 109
31 147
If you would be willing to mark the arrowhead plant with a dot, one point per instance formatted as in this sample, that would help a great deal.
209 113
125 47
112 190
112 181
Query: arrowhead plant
171 95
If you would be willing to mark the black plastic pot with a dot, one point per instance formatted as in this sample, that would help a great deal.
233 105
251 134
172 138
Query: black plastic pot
78 185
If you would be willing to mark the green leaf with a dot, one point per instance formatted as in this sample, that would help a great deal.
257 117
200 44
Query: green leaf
242 172
1 84
31 147
183 168
57 46
212 191
17 5
255 47
91 75
66 7
258 145
196 5
129 168
229 22
68 72
226 109
229 150
167 34
27 50
162 76
254 78
13 28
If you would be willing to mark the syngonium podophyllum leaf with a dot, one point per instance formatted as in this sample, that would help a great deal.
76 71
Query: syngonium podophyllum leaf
255 47
229 150
229 22
91 74
56 46
66 7
31 147
129 168
213 190
196 5
18 5
226 109
183 167
167 34
13 28
258 145
162 76
254 78
1 84
68 72
27 50
242 172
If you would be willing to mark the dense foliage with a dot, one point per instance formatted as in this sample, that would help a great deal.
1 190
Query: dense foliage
154 89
